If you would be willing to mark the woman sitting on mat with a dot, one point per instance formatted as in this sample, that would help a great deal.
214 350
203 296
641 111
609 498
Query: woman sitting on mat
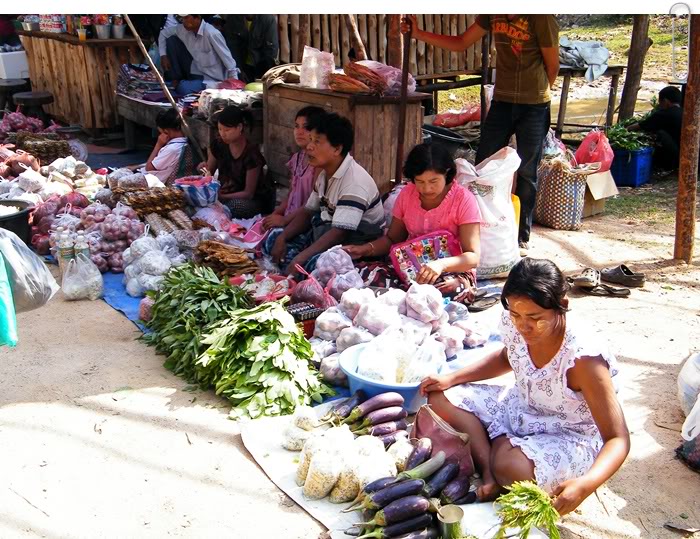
432 201
560 422
244 189
301 174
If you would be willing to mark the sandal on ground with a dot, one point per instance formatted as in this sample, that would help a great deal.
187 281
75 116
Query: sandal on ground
622 275
589 278
607 290
483 303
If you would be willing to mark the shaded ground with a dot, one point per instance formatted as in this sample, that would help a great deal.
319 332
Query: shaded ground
96 435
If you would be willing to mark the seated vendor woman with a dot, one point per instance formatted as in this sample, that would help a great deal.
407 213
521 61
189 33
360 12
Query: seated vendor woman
558 422
301 174
432 201
244 189
170 158
344 206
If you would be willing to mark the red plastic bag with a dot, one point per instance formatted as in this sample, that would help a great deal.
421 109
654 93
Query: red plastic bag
455 119
445 438
595 148
311 291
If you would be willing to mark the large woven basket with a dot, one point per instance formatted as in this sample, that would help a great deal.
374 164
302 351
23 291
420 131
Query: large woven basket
561 191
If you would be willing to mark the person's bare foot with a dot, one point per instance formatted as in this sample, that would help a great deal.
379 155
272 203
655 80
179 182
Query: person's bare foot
489 490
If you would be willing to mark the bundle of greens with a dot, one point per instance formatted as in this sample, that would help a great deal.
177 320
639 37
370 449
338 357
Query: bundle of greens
525 506
621 138
260 361
191 298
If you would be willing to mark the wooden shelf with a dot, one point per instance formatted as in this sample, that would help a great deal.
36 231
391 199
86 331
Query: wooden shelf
74 40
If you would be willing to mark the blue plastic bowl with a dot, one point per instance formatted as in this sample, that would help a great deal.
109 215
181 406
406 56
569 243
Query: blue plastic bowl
348 363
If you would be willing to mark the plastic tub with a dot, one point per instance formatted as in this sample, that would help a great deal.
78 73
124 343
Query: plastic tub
441 135
104 31
348 363
632 168
118 31
18 222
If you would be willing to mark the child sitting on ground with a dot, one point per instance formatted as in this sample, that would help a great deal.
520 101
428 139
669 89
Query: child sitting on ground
168 160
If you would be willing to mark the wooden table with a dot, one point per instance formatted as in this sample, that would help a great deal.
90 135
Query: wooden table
81 75
614 72
375 120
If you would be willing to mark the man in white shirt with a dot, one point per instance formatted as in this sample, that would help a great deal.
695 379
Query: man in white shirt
344 208
195 53
164 161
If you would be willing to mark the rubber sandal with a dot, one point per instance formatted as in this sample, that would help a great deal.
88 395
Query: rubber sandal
589 278
622 275
481 304
607 290
480 293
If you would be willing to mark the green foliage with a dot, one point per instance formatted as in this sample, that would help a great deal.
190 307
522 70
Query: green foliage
525 506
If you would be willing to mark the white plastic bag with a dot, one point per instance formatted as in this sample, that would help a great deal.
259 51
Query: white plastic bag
315 68
453 339
390 203
342 283
141 246
376 318
414 330
153 263
335 259
82 280
31 281
321 349
394 297
491 182
691 425
353 299
424 302
330 323
689 383
427 360
331 372
351 336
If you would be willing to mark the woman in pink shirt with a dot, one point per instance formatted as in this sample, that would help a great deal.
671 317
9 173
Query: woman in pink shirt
432 201
302 174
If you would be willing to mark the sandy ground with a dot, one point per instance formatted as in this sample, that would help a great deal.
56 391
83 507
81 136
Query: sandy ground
98 439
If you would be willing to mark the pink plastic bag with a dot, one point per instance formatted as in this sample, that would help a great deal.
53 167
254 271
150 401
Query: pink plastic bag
456 118
455 444
595 148
311 291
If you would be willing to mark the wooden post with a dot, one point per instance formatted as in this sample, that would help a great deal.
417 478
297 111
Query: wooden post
316 31
690 146
381 36
283 30
372 31
398 176
294 40
335 39
562 105
394 55
303 37
635 66
355 39
612 98
325 34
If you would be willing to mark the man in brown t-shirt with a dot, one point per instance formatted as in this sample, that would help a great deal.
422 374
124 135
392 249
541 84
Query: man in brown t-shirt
527 64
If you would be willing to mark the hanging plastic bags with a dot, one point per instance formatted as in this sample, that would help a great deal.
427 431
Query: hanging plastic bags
8 320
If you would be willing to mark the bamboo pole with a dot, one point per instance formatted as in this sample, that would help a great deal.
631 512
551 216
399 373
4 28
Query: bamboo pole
316 31
335 39
166 91
294 40
355 38
372 32
398 176
325 33
690 146
381 36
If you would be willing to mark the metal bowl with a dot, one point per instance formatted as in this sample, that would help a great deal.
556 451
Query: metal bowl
30 26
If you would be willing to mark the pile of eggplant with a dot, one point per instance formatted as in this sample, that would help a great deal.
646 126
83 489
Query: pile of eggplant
382 416
405 506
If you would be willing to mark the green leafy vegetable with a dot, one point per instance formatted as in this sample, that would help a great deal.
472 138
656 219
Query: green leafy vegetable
621 138
261 362
525 506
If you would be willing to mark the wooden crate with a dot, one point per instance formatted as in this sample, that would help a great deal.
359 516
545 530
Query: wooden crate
375 121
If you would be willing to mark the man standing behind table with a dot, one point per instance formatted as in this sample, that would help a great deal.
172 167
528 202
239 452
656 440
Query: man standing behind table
194 53
527 64
254 43
343 208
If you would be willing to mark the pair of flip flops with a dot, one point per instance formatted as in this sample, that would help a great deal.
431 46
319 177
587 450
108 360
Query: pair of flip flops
589 283
483 301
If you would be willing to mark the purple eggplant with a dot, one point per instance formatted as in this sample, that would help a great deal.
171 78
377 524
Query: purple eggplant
469 498
393 437
383 415
342 410
377 402
439 480
382 428
399 510
454 490
421 453
384 497
369 488
425 470
403 528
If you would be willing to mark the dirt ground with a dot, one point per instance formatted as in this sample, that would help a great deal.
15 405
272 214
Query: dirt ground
97 438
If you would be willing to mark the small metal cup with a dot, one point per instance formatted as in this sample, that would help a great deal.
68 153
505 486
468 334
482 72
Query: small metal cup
450 517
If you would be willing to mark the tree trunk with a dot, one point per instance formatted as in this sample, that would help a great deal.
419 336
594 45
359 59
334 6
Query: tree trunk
635 66
303 38
394 39
355 39
690 148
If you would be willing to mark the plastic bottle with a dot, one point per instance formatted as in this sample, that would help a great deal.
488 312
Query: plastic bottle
81 247
55 238
65 252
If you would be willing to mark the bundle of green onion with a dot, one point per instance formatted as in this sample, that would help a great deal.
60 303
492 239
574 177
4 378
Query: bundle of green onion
525 506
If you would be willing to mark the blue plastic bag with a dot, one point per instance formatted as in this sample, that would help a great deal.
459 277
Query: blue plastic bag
8 320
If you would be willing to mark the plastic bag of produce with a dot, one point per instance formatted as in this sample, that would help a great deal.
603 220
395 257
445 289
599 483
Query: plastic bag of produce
30 280
335 259
145 308
323 275
351 336
689 383
8 320
311 291
331 372
82 280
150 282
414 330
134 288
324 471
340 284
168 244
427 360
330 323
31 181
153 263
186 239
424 302
375 467
353 299
380 358
294 438
315 68
321 349
315 444
394 297
214 215
348 486
400 451
368 446
456 311
143 245
376 318
453 339
475 334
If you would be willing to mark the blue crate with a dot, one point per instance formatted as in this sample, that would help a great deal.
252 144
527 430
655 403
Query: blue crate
632 168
